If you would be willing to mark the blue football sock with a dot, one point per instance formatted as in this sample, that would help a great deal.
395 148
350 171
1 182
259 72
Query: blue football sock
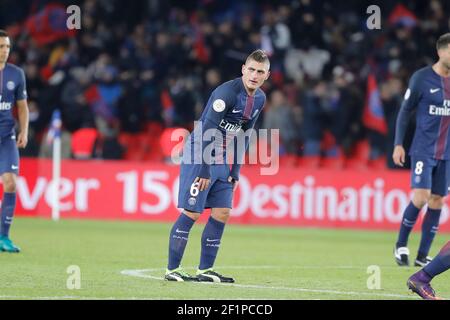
440 263
430 227
212 234
408 222
178 240
8 207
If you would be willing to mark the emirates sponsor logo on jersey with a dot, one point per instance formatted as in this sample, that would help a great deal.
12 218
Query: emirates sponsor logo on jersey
5 105
233 127
440 111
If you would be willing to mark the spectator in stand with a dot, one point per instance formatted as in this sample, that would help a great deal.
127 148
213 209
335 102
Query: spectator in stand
164 53
279 115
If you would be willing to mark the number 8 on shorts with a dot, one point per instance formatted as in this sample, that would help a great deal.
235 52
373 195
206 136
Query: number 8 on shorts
419 168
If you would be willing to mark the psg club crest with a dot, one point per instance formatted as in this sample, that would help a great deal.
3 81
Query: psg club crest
192 201
10 85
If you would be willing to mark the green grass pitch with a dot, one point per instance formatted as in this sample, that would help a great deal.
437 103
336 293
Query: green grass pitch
126 260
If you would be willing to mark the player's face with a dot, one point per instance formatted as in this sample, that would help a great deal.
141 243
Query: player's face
254 74
444 56
5 47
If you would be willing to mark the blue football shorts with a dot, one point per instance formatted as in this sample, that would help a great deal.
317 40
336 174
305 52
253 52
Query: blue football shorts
9 155
218 195
431 174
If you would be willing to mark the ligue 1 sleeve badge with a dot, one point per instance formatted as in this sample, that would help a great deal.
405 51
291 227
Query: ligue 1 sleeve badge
407 94
219 105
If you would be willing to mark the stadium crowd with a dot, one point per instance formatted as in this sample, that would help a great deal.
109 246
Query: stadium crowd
136 68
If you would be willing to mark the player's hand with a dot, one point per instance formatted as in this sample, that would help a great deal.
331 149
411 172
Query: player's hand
234 182
399 156
22 140
203 183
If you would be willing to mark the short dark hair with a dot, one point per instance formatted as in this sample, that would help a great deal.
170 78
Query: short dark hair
259 56
3 34
443 41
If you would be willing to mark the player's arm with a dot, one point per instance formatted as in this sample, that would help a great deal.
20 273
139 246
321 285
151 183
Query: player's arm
239 152
22 139
221 100
410 102
23 113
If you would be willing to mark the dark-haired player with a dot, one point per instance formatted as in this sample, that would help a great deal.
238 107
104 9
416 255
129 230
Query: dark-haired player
12 92
429 95
231 110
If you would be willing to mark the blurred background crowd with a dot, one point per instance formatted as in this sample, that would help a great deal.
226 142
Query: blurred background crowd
137 69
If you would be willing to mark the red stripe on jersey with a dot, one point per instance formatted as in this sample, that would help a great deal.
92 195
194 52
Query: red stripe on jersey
445 249
1 81
446 85
444 125
248 107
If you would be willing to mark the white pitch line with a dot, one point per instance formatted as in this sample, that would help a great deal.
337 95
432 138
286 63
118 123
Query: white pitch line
81 298
289 267
39 298
139 273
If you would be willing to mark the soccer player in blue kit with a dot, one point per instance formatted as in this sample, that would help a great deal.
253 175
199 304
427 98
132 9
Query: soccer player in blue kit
420 281
429 95
12 92
206 179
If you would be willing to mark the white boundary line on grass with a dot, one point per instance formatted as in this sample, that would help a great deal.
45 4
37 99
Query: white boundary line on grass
79 298
140 274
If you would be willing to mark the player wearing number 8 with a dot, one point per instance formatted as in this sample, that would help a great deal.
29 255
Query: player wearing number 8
206 178
429 95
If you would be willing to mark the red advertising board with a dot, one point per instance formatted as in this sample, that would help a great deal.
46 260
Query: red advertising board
148 191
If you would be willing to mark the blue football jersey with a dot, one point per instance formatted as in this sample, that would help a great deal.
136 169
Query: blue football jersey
229 110
12 89
429 94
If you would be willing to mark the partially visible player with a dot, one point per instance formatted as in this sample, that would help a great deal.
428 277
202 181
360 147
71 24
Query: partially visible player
429 95
420 281
12 92
232 109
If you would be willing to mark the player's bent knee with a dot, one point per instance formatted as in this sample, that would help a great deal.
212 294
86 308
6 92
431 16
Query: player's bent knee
420 202
436 202
193 215
221 214
9 183
9 187
420 198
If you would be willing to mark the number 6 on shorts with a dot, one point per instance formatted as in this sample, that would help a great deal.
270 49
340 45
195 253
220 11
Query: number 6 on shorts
194 189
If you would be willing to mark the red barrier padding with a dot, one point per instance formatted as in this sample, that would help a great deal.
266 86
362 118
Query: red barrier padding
369 199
